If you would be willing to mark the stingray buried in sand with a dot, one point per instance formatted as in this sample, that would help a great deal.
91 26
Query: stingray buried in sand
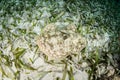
57 43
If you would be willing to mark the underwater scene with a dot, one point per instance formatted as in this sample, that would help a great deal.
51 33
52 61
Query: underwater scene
59 39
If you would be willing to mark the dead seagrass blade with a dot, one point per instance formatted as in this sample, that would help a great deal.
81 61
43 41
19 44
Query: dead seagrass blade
57 43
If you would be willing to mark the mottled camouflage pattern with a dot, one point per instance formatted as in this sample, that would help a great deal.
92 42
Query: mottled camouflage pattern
57 43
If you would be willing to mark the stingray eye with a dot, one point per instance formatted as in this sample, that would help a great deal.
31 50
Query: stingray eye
65 37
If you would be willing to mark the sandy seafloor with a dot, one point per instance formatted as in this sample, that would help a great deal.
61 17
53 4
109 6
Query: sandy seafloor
21 21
